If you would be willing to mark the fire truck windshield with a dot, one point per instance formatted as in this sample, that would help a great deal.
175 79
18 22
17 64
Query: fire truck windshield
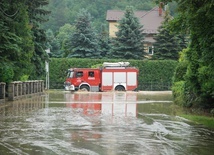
70 74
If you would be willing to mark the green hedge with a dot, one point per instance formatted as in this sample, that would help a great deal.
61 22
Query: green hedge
153 74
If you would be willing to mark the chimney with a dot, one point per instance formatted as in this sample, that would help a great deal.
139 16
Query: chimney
160 8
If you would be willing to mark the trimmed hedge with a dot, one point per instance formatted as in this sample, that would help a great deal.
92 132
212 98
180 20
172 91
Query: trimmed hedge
153 74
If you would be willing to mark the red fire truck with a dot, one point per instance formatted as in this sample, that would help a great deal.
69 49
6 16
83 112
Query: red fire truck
111 76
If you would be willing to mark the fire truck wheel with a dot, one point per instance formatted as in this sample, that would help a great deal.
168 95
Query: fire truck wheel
85 88
119 88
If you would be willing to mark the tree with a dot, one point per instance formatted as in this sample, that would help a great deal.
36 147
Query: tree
23 64
104 42
197 85
128 43
64 11
16 47
53 44
168 44
63 36
36 14
83 43
22 40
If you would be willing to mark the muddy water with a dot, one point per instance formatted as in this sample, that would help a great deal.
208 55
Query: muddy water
112 123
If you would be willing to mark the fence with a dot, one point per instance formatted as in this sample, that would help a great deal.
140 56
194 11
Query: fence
155 86
18 89
2 92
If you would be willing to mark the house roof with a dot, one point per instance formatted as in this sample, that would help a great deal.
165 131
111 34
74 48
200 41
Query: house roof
150 20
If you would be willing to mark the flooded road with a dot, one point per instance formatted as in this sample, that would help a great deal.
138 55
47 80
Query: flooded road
110 123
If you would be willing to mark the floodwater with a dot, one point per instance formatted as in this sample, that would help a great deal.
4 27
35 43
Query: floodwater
108 123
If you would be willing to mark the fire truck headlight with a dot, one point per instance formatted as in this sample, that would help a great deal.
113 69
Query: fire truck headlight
67 83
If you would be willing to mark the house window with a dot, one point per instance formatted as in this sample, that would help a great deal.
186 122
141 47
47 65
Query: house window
151 50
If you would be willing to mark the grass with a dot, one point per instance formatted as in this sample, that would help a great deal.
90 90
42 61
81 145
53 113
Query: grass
204 120
195 115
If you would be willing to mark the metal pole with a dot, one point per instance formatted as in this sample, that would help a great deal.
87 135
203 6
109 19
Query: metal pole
47 70
46 82
47 74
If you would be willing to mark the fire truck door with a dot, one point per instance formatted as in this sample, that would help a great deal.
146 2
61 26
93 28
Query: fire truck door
92 78
79 75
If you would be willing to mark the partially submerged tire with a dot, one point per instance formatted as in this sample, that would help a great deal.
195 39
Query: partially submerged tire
85 88
119 88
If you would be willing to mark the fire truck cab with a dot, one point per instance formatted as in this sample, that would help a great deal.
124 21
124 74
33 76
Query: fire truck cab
112 76
83 78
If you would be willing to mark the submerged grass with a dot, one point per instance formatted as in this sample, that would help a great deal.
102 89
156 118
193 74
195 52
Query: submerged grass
204 120
197 116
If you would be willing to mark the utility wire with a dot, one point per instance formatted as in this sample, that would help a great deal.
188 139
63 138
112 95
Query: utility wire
8 15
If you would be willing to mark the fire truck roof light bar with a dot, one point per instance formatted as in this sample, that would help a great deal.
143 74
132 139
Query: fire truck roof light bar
115 64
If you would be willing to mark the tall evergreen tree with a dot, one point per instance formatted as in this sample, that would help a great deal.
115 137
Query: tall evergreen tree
22 40
104 42
63 36
53 44
83 43
16 46
36 14
128 43
168 44
196 87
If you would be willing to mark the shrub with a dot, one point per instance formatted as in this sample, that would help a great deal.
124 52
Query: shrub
7 73
178 90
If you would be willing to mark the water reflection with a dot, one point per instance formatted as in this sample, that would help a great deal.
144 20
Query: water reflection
123 104
22 106
99 123
100 113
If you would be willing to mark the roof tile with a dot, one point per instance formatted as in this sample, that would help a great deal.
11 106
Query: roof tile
149 19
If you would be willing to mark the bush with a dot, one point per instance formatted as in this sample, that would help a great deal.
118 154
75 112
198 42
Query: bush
7 73
178 90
